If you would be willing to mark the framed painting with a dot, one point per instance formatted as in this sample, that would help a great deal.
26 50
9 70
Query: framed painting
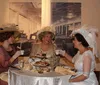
66 17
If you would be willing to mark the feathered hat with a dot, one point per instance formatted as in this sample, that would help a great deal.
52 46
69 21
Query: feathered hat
89 36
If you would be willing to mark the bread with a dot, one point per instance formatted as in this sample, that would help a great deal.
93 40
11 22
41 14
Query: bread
64 71
34 70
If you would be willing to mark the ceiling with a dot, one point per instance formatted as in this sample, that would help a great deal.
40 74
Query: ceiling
30 10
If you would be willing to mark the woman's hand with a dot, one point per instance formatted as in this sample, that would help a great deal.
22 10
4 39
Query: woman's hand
65 54
16 55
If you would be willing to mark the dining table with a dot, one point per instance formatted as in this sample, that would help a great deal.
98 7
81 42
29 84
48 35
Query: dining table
22 77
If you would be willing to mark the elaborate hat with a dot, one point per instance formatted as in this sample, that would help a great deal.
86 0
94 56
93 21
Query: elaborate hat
10 28
44 31
88 36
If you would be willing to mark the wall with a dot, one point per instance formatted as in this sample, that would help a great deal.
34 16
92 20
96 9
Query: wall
91 12
91 16
4 11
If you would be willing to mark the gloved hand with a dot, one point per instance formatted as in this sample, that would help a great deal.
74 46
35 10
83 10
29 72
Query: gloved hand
61 52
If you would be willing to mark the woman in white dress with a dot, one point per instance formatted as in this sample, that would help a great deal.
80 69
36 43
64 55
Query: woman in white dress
84 60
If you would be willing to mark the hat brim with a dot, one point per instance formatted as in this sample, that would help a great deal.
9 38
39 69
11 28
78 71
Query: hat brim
16 32
45 30
85 34
42 34
9 27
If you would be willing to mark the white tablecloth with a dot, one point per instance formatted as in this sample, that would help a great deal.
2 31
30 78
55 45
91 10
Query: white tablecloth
19 77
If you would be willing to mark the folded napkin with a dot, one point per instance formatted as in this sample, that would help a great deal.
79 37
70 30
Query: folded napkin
4 76
64 71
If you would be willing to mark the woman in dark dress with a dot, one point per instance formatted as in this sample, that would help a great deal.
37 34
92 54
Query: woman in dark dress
8 55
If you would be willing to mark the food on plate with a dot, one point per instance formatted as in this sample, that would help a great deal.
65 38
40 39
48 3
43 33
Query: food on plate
34 70
33 56
41 63
41 56
43 70
27 67
64 71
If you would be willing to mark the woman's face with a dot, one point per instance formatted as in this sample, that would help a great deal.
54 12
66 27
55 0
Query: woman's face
76 42
47 39
11 40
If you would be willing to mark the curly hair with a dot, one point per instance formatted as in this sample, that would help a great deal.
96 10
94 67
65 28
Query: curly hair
42 34
5 36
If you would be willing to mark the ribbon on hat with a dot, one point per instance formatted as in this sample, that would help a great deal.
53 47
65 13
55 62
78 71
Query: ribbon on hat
94 34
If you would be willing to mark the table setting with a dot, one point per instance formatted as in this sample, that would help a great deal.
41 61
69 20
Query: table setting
38 71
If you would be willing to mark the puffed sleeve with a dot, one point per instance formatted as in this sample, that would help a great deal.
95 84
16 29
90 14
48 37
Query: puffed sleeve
87 60
75 57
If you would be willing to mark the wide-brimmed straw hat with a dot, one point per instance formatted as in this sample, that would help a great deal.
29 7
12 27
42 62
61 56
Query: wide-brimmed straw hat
44 31
10 28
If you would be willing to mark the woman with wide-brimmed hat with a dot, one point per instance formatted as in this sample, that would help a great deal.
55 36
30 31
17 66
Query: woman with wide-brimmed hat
84 60
7 53
46 45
